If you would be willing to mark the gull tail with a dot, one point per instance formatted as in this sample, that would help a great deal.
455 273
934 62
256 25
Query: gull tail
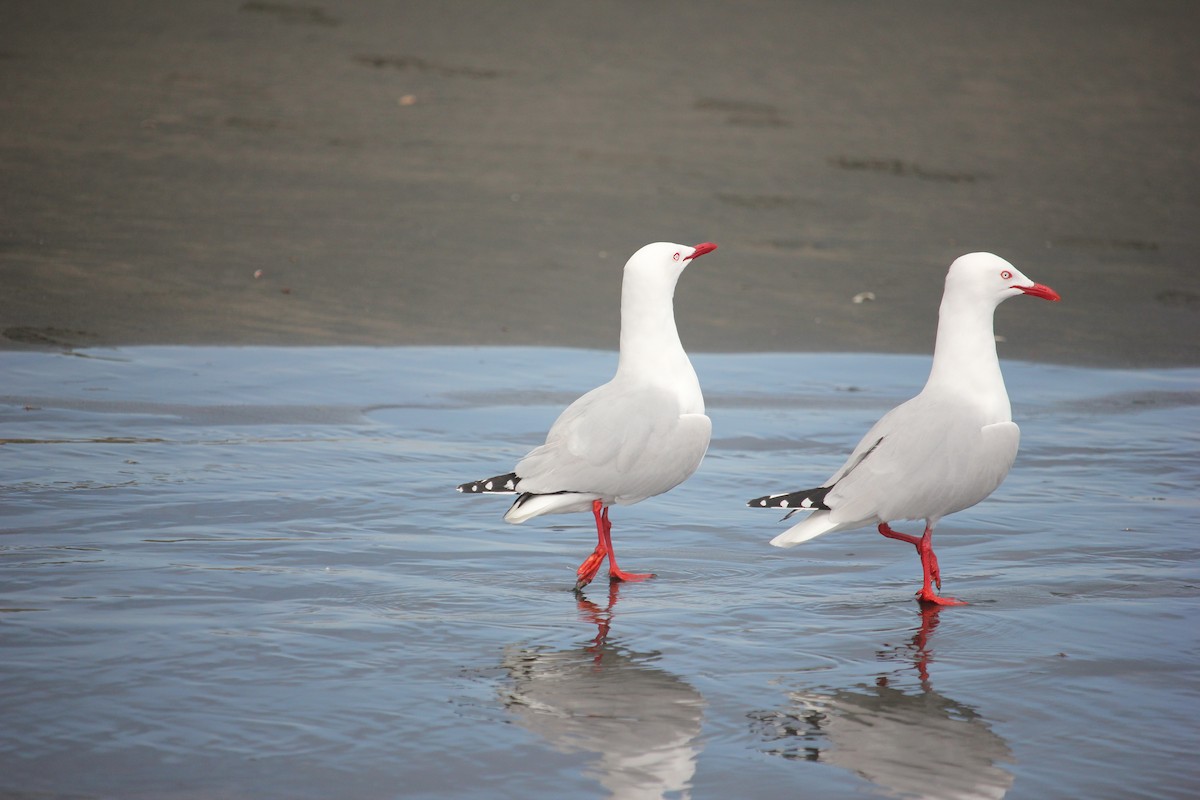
501 484
530 505
809 528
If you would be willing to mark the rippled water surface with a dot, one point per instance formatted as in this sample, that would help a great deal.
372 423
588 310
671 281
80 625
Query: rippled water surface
245 573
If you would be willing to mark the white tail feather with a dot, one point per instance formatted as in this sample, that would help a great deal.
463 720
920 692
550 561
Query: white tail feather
810 527
531 506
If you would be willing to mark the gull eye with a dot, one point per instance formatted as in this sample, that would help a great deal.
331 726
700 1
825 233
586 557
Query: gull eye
675 257
1005 274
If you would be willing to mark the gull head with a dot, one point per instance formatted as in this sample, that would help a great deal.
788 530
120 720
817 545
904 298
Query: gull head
657 266
987 279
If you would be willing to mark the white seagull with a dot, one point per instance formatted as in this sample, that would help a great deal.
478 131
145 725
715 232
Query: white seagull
940 452
639 435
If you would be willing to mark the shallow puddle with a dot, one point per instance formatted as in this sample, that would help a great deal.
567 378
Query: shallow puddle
245 573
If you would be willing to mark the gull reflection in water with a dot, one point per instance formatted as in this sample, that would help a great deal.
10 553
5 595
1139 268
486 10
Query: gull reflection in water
640 720
909 744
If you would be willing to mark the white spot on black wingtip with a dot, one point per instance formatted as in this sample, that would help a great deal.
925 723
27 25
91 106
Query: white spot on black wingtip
497 484
763 502
783 503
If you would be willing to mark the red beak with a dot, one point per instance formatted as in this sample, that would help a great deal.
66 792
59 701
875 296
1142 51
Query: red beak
1040 290
701 249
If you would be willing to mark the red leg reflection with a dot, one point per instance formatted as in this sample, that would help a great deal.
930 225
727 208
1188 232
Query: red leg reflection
917 649
920 640
600 617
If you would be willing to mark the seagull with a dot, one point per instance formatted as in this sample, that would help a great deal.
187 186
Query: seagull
940 452
639 435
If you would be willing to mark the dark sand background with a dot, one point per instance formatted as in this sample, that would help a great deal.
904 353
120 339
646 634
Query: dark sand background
477 173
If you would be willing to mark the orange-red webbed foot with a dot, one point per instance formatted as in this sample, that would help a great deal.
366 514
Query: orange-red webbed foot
590 566
928 596
616 575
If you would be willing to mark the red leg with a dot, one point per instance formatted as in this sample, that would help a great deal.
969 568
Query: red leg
615 573
591 565
934 572
931 574
904 537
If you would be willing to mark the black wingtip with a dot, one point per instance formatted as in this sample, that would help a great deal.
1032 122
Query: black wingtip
500 484
804 500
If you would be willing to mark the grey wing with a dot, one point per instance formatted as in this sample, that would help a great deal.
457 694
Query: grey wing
627 444
888 423
686 441
920 463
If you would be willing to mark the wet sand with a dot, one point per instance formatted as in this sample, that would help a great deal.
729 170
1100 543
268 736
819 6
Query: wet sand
352 173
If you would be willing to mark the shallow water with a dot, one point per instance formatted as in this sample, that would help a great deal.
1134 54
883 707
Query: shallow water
245 573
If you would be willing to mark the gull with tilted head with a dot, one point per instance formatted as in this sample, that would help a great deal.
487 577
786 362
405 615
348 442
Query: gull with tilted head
942 451
639 435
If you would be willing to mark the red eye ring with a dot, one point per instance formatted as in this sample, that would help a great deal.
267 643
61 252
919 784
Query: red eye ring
675 257
1005 274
